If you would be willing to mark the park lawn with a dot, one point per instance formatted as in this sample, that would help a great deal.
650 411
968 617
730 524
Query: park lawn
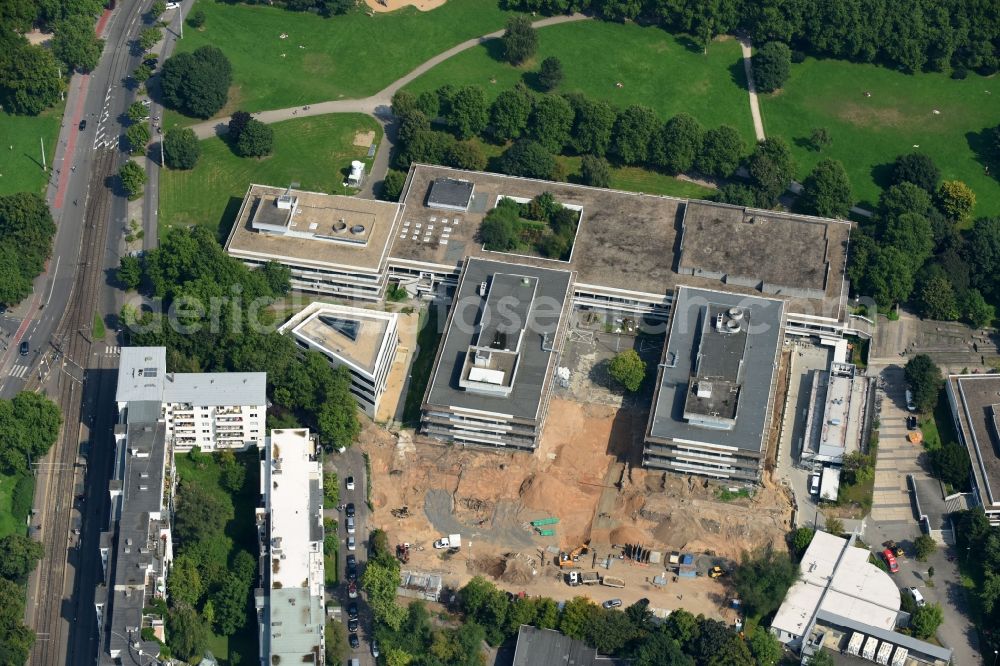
638 179
869 132
21 166
314 152
655 68
321 59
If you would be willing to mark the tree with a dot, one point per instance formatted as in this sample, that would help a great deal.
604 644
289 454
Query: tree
137 112
392 185
184 582
201 514
231 599
627 368
519 40
721 151
593 123
528 159
468 113
982 251
925 546
771 170
764 647
916 168
237 123
15 638
18 555
466 155
337 647
827 191
550 74
737 194
937 298
157 8
337 419
926 620
331 490
902 199
595 171
678 144
821 658
149 37
233 474
551 121
509 113
576 615
142 73
924 379
138 137
75 43
633 133
771 66
256 139
187 635
26 231
129 272
762 578
380 581
801 538
911 234
181 148
956 200
197 83
658 649
834 525
976 310
196 19
951 464
133 179
29 77
820 138
499 230
716 643
429 104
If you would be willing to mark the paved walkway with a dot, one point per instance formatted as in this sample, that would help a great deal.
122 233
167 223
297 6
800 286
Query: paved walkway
758 122
376 105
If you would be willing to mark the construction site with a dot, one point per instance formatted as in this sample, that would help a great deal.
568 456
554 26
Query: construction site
581 503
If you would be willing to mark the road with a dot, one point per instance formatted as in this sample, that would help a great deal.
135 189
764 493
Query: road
352 463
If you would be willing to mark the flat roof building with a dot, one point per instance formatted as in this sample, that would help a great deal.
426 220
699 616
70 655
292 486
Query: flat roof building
332 244
840 593
545 647
713 400
838 403
493 372
205 409
450 194
363 341
290 524
975 406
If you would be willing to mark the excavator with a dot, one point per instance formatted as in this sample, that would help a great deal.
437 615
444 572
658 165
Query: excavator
569 560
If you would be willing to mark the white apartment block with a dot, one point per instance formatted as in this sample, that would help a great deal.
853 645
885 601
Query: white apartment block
290 529
210 410
363 341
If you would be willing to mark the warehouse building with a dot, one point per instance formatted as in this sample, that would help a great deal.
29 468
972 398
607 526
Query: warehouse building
713 400
975 406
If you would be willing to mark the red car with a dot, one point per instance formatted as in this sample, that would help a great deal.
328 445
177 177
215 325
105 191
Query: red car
890 559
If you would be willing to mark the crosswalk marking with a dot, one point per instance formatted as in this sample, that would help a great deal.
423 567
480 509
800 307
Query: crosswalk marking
19 371
113 351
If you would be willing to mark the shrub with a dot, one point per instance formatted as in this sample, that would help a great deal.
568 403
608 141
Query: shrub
550 75
197 18
629 369
595 171
959 73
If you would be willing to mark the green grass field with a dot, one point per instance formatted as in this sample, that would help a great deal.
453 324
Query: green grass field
311 151
655 68
321 59
21 163
869 132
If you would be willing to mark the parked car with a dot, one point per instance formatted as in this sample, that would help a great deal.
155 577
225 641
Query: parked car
352 590
352 568
909 401
911 422
353 640
350 543
350 525
814 484
612 603
917 597
173 5
349 510
350 483
352 609
375 651
890 559
352 624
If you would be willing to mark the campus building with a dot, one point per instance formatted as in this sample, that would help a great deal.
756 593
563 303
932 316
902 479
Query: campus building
845 604
334 245
363 341
492 377
289 600
835 422
544 647
211 410
975 406
714 394
137 548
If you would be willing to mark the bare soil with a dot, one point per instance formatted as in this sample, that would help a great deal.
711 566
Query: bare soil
393 5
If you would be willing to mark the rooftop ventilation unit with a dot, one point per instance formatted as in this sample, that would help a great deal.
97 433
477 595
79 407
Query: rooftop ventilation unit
285 202
704 390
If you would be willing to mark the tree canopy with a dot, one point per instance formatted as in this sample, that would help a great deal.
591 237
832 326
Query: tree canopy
29 75
762 578
826 191
527 158
772 64
197 83
519 40
629 369
256 139
550 74
916 168
26 231
29 425
925 382
771 170
181 148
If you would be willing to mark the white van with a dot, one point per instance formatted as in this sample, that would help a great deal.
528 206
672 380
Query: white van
814 484
909 401
917 597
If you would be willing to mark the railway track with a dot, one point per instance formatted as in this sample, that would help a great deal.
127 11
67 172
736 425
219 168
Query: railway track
72 344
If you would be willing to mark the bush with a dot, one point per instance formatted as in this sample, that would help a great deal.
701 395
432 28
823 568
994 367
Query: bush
181 148
550 75
595 171
925 546
197 18
148 38
959 73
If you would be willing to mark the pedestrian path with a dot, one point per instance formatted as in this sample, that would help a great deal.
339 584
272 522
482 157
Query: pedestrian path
19 371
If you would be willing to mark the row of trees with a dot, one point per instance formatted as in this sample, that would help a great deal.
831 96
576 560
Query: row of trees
913 247
912 35
979 544
26 231
211 577
29 425
217 320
